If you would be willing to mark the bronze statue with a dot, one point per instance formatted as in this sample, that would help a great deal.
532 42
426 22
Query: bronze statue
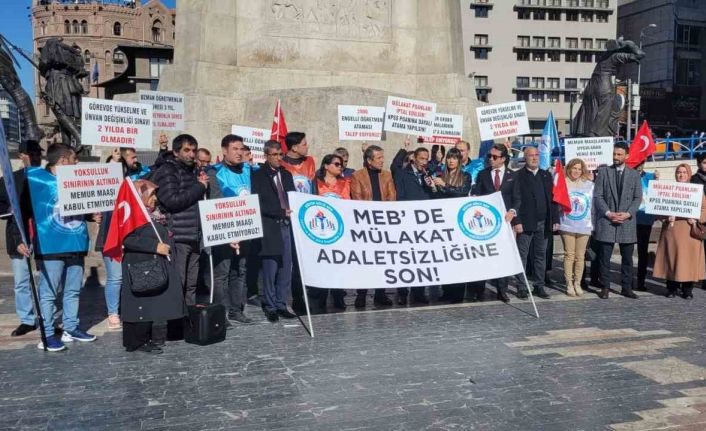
11 83
601 106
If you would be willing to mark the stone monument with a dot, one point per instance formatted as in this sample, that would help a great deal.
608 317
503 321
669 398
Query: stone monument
233 60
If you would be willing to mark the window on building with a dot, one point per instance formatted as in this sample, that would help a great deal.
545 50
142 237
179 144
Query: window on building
87 56
482 95
554 15
601 43
117 29
538 42
480 81
605 4
572 16
554 3
554 42
587 3
75 27
688 71
67 27
537 82
157 31
554 56
118 57
523 41
553 97
537 56
523 81
522 95
553 82
480 39
571 57
570 82
84 27
523 56
480 53
536 96
586 57
687 34
539 15
108 58
586 16
572 3
601 17
156 66
43 28
481 12
584 82
587 43
572 42
524 14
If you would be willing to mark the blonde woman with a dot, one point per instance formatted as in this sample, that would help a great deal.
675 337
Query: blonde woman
575 227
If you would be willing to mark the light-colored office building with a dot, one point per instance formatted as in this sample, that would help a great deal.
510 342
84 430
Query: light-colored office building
10 117
540 51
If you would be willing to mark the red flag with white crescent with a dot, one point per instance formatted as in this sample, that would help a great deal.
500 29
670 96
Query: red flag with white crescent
560 192
129 214
642 147
279 127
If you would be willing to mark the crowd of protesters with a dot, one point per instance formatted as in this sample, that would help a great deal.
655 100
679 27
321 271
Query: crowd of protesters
264 272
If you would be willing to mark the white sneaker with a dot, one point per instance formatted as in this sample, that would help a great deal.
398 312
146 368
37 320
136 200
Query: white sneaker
66 338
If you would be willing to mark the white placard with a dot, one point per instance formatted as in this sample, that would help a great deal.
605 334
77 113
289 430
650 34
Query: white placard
345 244
228 220
88 188
410 117
167 109
593 151
670 198
360 123
448 129
109 123
253 138
503 120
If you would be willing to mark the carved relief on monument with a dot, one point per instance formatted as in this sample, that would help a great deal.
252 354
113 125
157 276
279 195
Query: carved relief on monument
359 20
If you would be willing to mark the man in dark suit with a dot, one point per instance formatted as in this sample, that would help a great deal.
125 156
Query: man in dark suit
413 183
616 198
536 218
271 184
496 177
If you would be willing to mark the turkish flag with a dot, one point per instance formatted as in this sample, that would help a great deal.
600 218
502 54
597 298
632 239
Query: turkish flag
561 191
279 127
642 146
129 214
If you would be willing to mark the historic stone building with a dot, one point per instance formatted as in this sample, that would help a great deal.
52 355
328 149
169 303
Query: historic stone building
98 27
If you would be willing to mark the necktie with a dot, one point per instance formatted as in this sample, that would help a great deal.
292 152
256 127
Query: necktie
619 180
280 193
496 181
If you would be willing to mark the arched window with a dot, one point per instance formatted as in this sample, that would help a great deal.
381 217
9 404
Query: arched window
157 31
87 56
75 27
67 27
117 29
43 28
84 27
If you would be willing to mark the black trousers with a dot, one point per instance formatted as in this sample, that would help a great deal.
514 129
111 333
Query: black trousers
643 241
136 334
626 270
187 257
417 292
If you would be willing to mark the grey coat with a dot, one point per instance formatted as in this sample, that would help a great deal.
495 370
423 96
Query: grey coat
605 198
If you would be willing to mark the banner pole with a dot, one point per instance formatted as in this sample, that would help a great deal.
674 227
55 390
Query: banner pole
210 267
35 302
310 330
536 313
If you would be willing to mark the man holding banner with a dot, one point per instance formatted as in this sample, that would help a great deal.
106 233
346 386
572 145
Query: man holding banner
60 245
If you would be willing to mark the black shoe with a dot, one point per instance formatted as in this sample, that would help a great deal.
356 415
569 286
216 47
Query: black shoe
541 293
502 296
359 301
339 304
285 314
23 329
402 300
671 294
597 284
522 294
271 316
604 293
382 301
687 296
641 288
629 294
150 348
416 300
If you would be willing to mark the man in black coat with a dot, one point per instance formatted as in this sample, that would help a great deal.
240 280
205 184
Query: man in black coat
413 183
536 218
30 155
181 187
271 184
496 177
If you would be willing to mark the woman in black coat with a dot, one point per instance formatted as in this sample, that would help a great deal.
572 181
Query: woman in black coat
140 312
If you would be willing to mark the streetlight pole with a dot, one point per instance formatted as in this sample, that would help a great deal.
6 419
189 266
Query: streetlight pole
639 66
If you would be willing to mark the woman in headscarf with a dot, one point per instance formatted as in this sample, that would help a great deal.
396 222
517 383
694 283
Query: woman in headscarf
680 257
148 242
700 178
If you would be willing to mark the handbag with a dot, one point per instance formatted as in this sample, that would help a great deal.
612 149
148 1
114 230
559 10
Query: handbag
148 277
698 231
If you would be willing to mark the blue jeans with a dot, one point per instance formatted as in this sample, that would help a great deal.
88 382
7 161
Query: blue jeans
113 281
54 272
23 295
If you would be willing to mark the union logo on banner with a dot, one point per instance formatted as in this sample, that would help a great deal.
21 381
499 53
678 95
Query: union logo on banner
321 222
479 221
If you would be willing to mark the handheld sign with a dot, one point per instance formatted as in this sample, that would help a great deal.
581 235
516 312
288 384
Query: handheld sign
503 120
670 198
593 151
88 188
253 138
448 129
228 220
410 117
109 123
360 123
167 109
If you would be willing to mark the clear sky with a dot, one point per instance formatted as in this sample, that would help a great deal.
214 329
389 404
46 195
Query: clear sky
16 26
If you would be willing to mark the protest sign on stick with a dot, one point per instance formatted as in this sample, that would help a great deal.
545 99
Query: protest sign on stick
410 117
670 198
88 188
448 129
593 151
228 220
167 109
503 120
360 123
109 123
253 138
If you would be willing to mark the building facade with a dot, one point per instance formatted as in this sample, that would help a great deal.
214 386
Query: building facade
673 73
98 27
539 51
10 117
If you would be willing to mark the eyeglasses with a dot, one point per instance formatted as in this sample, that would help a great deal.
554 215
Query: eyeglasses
494 157
337 164
274 154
